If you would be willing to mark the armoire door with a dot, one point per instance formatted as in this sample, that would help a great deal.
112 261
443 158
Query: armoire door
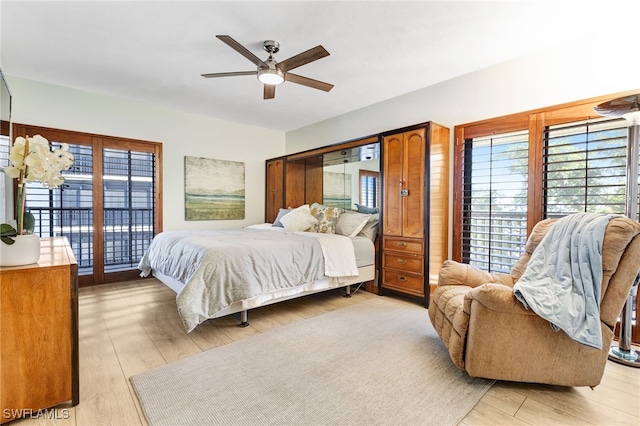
393 157
275 189
414 174
404 171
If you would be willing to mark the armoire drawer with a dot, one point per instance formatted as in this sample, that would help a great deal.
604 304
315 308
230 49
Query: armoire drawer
406 262
405 245
403 281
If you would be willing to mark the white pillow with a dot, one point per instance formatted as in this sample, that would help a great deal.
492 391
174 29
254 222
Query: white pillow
351 223
370 230
299 219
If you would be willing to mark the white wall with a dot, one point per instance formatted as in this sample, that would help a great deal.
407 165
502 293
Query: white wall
555 76
563 74
181 134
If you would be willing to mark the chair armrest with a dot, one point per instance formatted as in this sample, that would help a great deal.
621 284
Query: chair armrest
496 297
455 273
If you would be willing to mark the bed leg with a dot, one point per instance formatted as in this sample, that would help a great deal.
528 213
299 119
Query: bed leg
244 319
348 291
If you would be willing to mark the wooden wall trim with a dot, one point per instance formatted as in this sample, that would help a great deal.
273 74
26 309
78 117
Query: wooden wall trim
332 148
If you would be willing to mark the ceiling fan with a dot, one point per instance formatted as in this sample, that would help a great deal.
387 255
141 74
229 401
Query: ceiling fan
272 73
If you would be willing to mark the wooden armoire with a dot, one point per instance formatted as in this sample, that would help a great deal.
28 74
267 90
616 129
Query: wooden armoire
415 166
414 204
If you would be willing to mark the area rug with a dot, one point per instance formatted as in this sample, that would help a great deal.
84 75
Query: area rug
378 362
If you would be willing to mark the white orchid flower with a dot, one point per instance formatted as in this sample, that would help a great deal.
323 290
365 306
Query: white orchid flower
40 164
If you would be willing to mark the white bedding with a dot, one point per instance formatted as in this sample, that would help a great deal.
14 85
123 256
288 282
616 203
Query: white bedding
221 268
363 246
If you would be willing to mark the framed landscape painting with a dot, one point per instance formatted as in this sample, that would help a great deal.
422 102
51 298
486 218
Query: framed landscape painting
213 189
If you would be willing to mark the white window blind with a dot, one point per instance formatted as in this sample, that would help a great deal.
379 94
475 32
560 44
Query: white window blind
369 188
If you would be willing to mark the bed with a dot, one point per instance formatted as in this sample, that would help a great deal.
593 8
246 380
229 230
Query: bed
220 272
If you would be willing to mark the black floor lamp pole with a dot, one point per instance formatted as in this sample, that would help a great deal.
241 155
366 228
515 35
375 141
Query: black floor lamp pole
629 108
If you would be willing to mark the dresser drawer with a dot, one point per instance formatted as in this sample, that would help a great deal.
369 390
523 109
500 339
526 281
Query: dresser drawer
403 281
405 262
405 245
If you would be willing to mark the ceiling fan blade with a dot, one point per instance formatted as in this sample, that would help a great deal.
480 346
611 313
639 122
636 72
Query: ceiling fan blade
240 49
306 81
269 91
303 58
619 107
228 74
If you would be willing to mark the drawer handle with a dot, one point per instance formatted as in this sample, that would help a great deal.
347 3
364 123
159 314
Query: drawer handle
401 244
402 261
402 278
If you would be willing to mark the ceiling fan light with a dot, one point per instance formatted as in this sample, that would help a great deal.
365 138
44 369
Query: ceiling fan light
271 76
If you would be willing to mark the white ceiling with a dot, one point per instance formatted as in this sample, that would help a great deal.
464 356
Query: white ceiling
154 52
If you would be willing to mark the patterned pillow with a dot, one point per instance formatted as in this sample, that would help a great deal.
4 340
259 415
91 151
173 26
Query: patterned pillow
299 219
327 218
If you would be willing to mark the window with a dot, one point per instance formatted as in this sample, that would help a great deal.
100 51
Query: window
128 191
495 200
585 167
369 188
108 206
575 161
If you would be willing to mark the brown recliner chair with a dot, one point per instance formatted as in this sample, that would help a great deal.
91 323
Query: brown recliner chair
489 333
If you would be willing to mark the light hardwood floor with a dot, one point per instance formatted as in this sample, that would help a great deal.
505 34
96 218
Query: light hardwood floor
128 328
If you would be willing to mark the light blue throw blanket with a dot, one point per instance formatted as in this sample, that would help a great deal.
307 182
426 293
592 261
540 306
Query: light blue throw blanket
563 278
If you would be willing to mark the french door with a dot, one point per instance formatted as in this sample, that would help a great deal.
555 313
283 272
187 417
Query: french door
109 206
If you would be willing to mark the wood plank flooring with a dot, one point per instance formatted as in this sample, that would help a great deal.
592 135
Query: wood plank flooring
128 328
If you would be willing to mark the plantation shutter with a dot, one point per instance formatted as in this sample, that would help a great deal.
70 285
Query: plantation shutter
129 216
68 210
369 188
5 145
585 167
108 206
494 211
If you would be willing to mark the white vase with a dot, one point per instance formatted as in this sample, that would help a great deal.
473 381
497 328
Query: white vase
25 251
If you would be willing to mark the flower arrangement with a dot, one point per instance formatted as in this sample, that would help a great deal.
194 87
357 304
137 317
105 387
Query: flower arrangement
33 161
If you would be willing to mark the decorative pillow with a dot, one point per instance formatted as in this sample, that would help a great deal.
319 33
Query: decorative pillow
351 223
298 219
370 229
368 210
327 218
281 213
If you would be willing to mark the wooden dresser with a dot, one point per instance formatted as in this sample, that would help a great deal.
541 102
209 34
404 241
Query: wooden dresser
39 332
414 208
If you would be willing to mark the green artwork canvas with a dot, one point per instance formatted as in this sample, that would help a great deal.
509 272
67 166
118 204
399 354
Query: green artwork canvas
213 189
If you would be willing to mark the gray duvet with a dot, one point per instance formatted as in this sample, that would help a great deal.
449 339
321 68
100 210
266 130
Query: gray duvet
221 267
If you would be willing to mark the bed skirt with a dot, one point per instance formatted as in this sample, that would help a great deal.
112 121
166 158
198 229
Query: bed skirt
365 273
